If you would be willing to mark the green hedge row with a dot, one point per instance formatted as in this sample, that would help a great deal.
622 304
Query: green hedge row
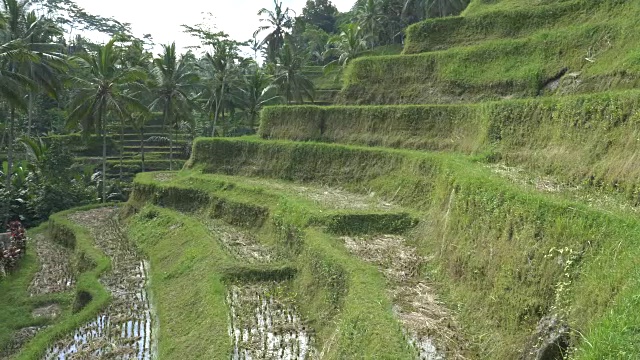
507 256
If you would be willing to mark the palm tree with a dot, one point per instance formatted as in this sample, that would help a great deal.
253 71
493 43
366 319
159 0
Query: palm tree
102 94
27 62
218 77
44 73
174 82
256 92
289 79
346 46
369 17
279 21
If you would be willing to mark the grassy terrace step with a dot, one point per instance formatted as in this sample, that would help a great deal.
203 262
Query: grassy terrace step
344 299
444 33
591 56
154 148
246 199
496 245
586 139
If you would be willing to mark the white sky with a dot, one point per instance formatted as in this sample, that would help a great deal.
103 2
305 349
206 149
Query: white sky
162 19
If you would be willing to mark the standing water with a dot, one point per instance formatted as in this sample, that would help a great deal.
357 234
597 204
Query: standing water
124 329
264 325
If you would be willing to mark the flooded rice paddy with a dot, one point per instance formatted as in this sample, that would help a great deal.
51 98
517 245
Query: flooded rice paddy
264 324
124 330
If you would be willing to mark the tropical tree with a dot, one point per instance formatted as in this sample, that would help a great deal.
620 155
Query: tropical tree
292 84
26 64
174 83
346 46
369 18
218 76
256 92
102 94
279 21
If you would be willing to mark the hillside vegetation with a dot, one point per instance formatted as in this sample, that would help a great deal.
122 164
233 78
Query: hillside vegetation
475 197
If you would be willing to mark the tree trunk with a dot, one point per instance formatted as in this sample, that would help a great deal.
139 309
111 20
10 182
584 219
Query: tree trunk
121 146
30 114
217 113
142 145
10 150
171 152
104 163
103 124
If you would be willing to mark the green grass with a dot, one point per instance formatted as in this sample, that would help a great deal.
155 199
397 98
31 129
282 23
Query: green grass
346 302
249 204
186 284
189 270
498 23
492 239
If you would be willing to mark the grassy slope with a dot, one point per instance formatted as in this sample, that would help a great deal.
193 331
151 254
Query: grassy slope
497 23
586 139
504 67
495 242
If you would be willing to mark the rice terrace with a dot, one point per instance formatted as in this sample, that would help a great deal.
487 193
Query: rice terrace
298 180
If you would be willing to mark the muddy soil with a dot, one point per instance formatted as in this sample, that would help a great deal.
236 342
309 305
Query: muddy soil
264 324
55 274
430 326
124 329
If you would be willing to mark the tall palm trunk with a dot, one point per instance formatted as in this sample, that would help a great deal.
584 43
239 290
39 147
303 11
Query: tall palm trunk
171 150
142 145
104 152
121 146
217 113
10 150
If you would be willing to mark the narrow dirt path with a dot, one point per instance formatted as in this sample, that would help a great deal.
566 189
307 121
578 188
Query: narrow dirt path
124 329
430 326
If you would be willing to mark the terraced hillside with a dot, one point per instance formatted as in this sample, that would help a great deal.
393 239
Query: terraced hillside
473 198
509 134
155 144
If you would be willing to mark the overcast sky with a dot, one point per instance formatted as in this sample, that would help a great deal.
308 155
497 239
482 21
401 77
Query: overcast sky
162 19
